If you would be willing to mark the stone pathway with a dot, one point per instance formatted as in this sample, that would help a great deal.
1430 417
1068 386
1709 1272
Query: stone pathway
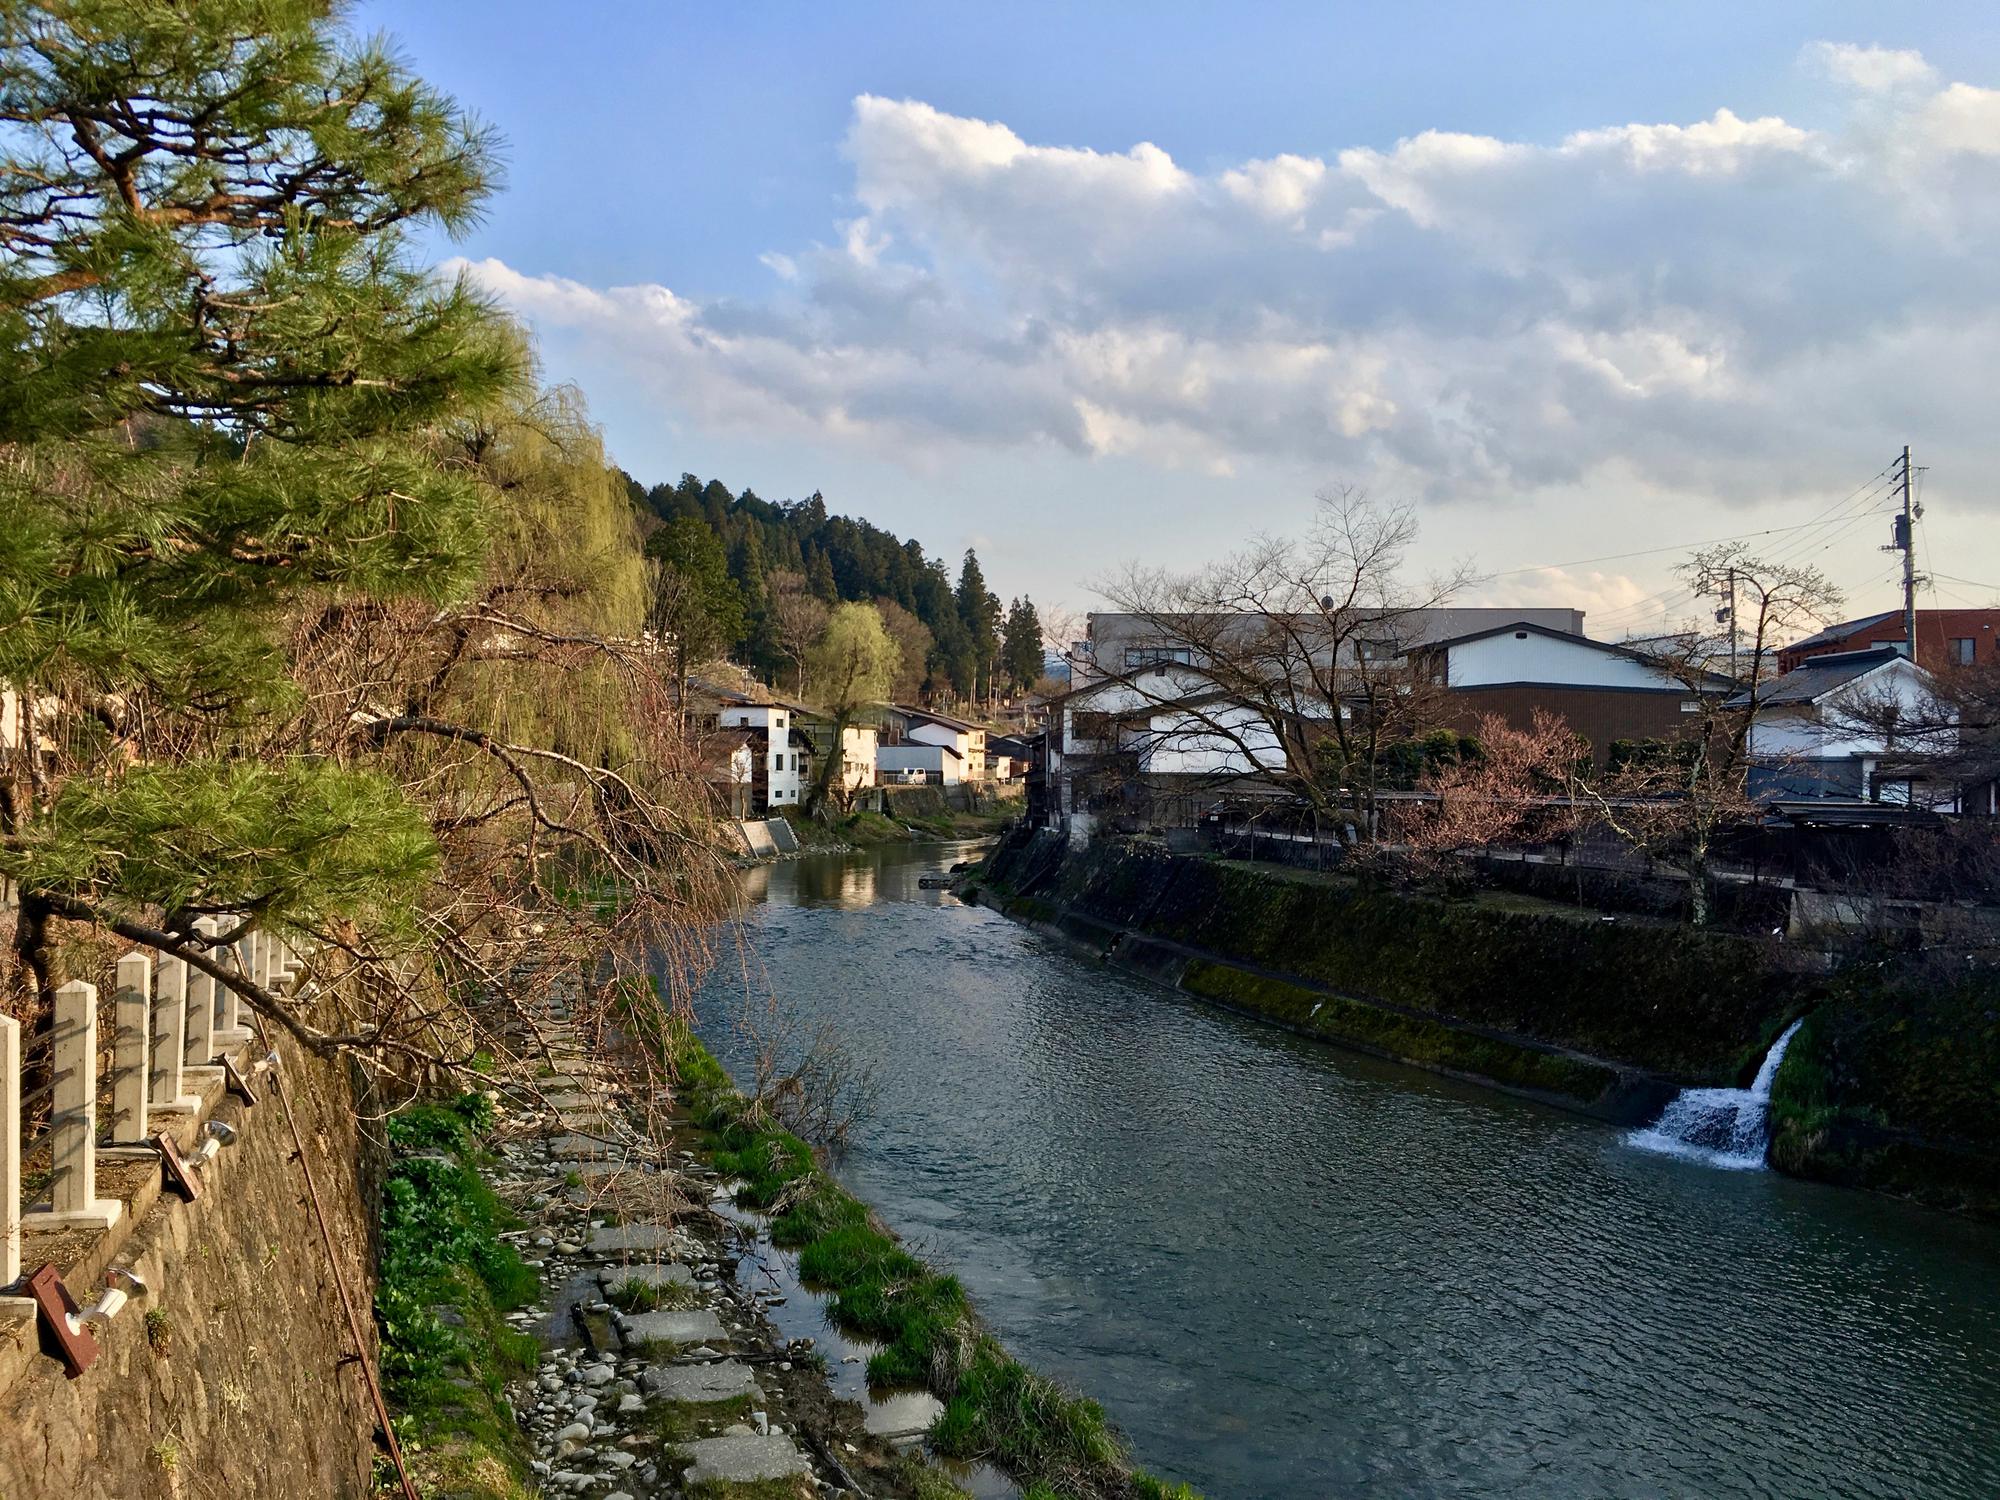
659 1373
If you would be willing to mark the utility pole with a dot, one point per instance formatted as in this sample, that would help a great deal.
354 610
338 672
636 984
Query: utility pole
1728 612
1904 540
1732 624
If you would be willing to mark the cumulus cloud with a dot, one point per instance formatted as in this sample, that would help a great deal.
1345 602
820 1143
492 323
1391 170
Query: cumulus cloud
1694 304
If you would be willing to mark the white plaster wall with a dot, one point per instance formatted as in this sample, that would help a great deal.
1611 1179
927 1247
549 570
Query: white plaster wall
1186 744
1540 658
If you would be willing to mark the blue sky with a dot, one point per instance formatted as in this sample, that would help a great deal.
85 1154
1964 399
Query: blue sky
910 255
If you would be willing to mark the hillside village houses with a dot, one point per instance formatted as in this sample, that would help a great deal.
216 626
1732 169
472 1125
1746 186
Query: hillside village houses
762 752
1145 733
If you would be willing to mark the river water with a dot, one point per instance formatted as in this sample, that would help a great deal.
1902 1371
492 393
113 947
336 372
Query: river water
1288 1270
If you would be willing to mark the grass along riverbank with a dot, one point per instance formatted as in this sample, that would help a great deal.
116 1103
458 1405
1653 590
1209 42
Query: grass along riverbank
447 1280
1057 1444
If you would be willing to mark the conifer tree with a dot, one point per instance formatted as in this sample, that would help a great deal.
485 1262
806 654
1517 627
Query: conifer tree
697 609
221 374
979 613
1021 646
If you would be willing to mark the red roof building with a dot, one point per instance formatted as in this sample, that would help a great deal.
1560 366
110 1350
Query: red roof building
1946 638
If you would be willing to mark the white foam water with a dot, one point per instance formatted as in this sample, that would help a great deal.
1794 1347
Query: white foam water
1725 1128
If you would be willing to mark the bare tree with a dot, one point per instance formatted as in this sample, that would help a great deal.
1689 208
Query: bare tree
914 642
1290 659
797 619
1675 800
805 1079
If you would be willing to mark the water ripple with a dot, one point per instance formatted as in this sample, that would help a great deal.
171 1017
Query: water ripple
1292 1271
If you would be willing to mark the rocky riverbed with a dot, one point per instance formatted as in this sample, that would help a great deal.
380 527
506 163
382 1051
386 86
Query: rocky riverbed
663 1372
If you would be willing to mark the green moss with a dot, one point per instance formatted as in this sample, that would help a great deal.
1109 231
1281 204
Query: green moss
1689 1003
1413 1038
924 1482
639 1295
1894 1085
684 1421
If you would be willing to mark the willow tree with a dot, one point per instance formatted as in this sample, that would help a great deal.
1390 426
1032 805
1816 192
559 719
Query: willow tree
853 664
253 475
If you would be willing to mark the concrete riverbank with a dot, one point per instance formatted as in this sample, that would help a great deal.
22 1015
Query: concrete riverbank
1888 1087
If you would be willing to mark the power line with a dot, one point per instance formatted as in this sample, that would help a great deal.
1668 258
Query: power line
1647 552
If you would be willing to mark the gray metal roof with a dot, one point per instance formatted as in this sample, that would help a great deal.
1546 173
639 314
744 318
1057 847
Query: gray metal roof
1842 631
1820 676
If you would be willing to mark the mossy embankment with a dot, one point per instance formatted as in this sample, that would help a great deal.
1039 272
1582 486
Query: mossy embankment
1057 1444
1529 995
446 1280
915 815
1894 1084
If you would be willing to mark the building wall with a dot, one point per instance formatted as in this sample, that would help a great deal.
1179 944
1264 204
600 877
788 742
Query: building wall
1185 744
932 758
969 743
1600 715
782 774
1528 657
1935 629
858 748
1800 730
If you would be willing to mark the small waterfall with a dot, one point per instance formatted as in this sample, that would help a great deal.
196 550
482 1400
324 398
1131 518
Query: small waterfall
1721 1127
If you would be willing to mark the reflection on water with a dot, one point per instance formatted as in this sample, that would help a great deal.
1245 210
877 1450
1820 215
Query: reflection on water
1289 1270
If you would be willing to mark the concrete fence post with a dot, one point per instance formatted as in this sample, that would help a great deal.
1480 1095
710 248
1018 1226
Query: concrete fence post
200 1014
10 1150
230 1030
131 1049
166 1089
73 1118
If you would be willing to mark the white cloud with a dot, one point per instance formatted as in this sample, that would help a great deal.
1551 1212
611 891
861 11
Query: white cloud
1874 70
1698 307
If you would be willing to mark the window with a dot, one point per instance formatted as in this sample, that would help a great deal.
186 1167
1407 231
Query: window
1962 650
1093 726
1690 706
778 721
1146 656
1377 650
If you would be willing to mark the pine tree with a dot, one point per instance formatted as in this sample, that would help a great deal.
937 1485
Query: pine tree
222 378
1021 647
979 613
697 609
819 578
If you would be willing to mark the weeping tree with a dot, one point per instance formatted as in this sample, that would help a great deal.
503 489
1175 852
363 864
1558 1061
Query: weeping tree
279 600
853 664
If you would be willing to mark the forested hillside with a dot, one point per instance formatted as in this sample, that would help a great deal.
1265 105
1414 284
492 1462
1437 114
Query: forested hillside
754 581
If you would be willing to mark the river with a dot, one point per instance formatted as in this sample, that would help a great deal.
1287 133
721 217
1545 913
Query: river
1288 1270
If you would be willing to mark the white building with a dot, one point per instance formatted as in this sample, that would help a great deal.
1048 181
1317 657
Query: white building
859 746
1822 730
967 741
778 768
913 761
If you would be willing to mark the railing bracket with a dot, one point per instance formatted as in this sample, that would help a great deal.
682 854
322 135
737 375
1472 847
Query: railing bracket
55 1309
236 1083
180 1176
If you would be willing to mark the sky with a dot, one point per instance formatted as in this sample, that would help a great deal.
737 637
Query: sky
1584 285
